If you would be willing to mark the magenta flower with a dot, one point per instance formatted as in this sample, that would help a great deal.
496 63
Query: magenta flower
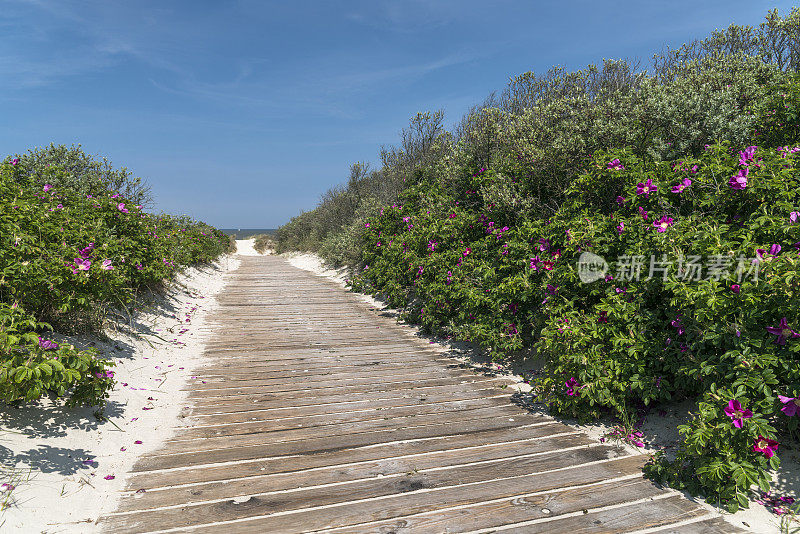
616 165
15 161
572 386
620 228
467 251
603 317
791 405
794 216
139 267
676 323
766 446
739 181
46 344
747 155
664 223
776 504
646 188
735 412
782 331
736 288
81 264
682 186
109 477
621 200
47 187
643 213
106 266
87 251
121 207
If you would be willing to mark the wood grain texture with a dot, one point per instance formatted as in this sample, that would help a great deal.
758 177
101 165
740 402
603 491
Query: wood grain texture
316 411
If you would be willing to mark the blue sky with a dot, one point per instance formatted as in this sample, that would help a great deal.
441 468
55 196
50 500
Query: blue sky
242 113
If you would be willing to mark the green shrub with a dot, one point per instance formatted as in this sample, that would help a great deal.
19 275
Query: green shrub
70 168
68 257
456 267
32 366
263 242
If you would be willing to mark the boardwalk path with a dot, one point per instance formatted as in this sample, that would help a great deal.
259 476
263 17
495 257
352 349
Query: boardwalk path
319 413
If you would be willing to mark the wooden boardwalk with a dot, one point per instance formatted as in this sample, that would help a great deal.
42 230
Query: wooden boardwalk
320 414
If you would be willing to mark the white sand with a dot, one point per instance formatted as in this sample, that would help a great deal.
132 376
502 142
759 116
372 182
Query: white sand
65 458
659 430
244 247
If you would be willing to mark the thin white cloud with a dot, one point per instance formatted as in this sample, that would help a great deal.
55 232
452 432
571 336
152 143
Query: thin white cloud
35 49
323 94
367 79
106 36
409 17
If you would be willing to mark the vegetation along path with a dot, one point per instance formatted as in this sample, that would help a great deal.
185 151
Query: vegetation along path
317 413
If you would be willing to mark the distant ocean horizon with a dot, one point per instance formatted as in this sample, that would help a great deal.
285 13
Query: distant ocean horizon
247 233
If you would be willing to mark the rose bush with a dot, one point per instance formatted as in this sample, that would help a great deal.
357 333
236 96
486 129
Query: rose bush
68 258
700 300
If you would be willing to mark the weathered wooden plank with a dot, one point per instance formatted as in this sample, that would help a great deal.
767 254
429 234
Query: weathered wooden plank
304 398
524 508
299 460
260 433
317 381
320 360
651 513
717 525
466 485
165 460
339 474
327 418
339 404
321 368
409 385
365 348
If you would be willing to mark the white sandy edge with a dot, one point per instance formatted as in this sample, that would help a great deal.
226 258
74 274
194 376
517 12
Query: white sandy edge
657 430
244 247
64 456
